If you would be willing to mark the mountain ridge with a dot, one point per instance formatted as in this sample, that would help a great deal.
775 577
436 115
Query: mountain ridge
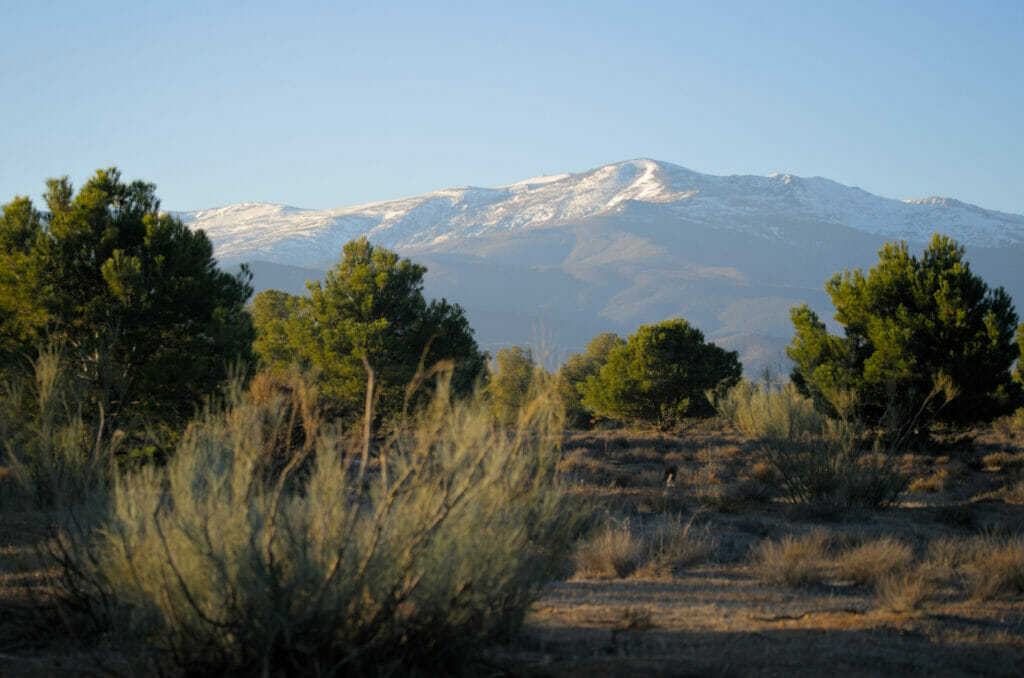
561 258
286 234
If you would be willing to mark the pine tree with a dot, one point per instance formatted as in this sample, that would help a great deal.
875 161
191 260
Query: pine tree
906 322
661 375
369 311
577 369
131 297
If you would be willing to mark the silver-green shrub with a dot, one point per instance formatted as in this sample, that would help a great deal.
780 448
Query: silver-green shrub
817 460
55 455
761 411
410 566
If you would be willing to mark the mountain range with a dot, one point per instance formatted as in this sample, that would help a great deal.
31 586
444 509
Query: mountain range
554 260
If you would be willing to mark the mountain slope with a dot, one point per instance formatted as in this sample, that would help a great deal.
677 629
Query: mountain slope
759 206
553 260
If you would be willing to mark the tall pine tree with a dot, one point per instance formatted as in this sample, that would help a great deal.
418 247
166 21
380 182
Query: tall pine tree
904 323
131 298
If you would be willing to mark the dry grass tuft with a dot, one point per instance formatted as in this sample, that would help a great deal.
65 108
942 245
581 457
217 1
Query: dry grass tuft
1009 494
614 552
874 561
54 455
719 454
994 567
762 472
946 553
904 590
635 619
996 461
933 483
673 545
793 561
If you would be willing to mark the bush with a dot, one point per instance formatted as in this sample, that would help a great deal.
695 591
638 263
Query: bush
614 552
575 372
369 313
514 382
760 411
817 460
660 376
132 297
905 322
220 568
55 456
792 561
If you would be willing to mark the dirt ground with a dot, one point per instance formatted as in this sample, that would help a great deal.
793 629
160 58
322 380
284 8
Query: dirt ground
718 617
697 594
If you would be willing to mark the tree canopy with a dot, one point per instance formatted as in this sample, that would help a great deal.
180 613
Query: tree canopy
661 375
129 295
369 306
906 322
577 369
513 382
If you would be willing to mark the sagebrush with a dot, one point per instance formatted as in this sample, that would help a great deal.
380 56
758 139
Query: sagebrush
217 566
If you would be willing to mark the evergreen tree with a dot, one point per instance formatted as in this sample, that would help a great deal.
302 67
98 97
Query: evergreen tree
906 322
577 369
368 311
661 375
512 383
131 297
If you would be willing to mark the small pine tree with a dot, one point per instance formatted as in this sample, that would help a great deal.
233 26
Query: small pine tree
512 383
577 369
369 310
907 324
661 375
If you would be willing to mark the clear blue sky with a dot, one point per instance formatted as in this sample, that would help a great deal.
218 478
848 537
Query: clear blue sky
329 104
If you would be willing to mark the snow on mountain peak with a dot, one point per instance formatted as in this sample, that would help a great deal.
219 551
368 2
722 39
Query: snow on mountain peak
937 201
537 181
761 206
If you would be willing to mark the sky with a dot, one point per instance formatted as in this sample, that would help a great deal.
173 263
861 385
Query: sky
327 104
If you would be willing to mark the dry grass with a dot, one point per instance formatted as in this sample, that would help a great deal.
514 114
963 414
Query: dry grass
614 552
673 545
775 590
761 412
933 483
997 461
663 547
794 560
874 561
904 590
720 454
817 461
1012 493
54 456
946 553
994 567
763 472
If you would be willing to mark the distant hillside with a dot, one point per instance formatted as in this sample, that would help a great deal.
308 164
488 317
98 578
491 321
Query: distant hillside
552 261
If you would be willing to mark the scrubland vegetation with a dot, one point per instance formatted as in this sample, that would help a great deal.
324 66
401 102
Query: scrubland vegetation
342 484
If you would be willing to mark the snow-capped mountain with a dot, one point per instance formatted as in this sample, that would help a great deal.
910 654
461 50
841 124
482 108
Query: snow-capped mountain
755 205
554 260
